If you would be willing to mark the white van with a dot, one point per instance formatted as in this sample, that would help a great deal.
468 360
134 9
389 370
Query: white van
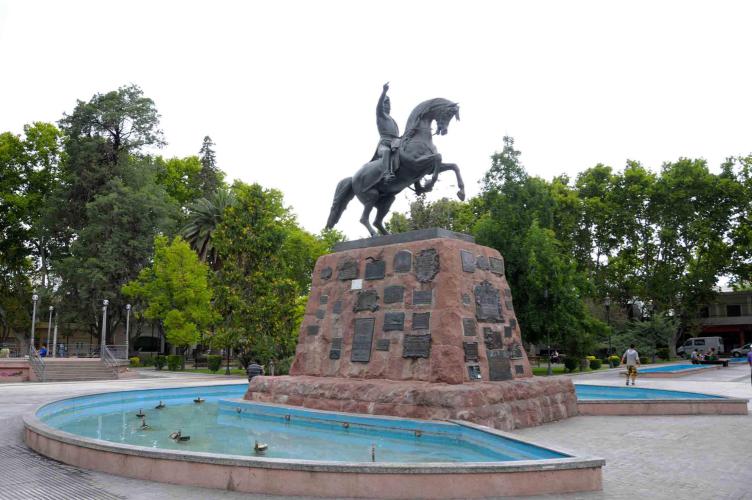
702 344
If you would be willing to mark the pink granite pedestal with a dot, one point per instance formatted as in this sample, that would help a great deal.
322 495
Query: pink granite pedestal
418 325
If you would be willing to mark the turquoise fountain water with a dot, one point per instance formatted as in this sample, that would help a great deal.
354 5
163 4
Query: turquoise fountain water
222 425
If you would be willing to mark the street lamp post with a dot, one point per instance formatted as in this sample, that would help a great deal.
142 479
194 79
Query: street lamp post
549 372
607 304
227 370
34 299
54 338
49 327
127 329
105 303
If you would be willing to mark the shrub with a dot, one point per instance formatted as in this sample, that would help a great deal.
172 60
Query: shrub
214 361
570 364
159 362
595 364
590 358
663 353
135 361
146 359
614 360
175 362
4 353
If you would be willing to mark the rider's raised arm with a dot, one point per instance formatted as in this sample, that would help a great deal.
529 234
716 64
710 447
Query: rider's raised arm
380 106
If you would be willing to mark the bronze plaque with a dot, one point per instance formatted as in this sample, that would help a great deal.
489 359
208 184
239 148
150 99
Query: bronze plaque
403 261
383 344
362 340
491 338
326 273
337 308
507 332
416 346
323 299
482 262
499 367
473 372
422 297
368 300
427 265
508 292
394 321
510 306
468 261
375 269
466 299
320 313
394 294
513 322
497 265
312 329
515 351
469 327
471 351
519 369
487 307
421 321
348 270
336 349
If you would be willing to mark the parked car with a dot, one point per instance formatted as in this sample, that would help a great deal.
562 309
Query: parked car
741 351
702 344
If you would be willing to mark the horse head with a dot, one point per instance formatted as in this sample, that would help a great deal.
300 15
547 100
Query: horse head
439 109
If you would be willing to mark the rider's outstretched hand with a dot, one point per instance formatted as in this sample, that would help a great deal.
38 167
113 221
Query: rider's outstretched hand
386 86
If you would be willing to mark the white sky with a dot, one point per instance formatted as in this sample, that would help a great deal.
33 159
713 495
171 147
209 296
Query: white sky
288 90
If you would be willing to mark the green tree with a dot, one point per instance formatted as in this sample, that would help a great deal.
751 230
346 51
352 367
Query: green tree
204 216
211 177
180 178
175 289
444 213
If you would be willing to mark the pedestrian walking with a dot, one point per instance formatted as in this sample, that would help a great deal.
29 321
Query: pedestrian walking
631 358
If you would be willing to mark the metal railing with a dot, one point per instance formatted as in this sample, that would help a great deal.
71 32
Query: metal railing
13 351
37 364
108 358
119 351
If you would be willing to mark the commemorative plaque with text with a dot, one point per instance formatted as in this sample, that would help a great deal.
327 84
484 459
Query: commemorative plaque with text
375 269
507 332
469 327
416 346
473 372
491 338
426 265
515 351
348 270
468 261
519 369
421 321
497 265
320 313
499 367
471 351
368 300
394 294
326 273
482 262
323 299
336 349
362 340
337 307
383 344
394 321
466 299
422 297
487 306
313 329
403 261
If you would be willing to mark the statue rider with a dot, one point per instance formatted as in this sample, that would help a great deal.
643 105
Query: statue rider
389 132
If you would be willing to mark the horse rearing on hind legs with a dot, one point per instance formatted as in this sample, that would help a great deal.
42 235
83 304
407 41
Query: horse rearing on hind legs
417 158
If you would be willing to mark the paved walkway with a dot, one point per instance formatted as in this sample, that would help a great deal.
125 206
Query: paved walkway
680 457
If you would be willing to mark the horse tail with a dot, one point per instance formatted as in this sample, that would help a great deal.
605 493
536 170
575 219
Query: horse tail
342 196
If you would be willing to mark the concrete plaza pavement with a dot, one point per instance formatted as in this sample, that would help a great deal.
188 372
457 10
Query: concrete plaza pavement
672 457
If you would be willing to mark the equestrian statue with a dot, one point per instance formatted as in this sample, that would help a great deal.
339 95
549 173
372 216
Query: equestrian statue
399 161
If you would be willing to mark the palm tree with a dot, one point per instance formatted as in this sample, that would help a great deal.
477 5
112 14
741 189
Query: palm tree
203 218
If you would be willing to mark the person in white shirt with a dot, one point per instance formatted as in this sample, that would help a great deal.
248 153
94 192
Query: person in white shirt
631 358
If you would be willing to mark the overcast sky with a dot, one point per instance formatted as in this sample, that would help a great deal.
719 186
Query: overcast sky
288 90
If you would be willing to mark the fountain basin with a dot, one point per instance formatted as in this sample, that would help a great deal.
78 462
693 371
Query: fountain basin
630 400
310 452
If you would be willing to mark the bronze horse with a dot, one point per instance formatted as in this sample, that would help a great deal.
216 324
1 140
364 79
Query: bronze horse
417 158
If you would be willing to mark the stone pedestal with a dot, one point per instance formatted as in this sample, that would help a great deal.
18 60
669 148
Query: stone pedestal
427 319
